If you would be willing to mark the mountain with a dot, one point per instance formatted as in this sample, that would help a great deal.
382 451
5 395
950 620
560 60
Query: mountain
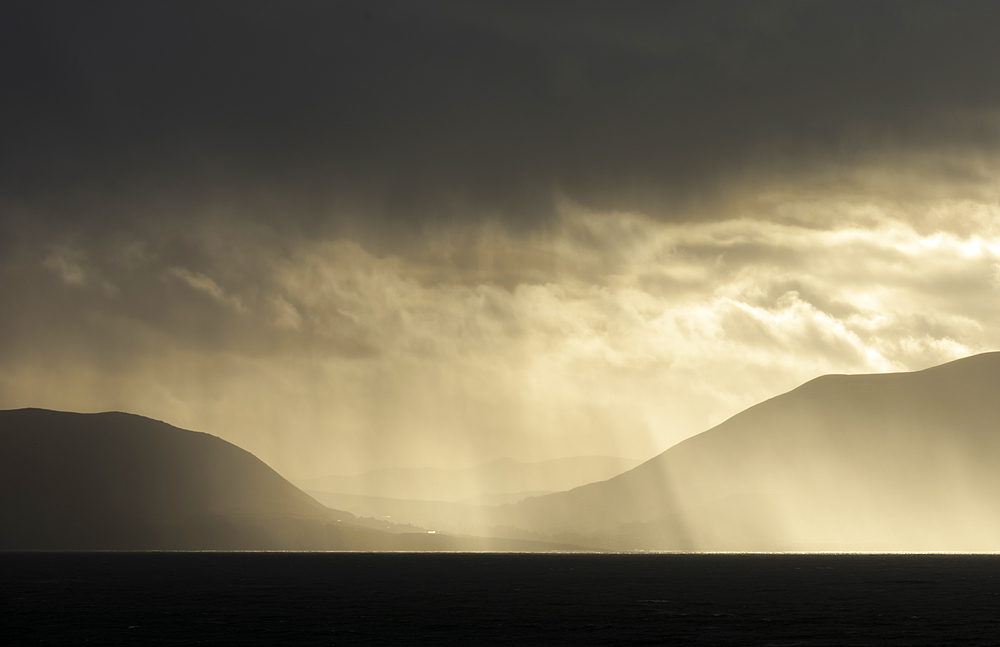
117 481
497 481
900 461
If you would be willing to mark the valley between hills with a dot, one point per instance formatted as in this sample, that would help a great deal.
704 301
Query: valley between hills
879 462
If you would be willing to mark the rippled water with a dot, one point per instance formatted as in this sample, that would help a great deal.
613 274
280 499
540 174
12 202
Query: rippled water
343 598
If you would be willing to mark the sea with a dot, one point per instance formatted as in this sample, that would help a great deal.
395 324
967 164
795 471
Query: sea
288 598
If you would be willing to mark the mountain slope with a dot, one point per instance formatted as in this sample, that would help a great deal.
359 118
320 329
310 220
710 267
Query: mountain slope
903 461
116 481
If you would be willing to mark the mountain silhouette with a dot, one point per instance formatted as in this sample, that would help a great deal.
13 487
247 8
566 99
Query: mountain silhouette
117 481
899 461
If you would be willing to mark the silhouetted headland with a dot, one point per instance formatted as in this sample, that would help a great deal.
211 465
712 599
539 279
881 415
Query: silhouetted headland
116 481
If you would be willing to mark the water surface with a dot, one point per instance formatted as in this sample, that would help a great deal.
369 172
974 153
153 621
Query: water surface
573 599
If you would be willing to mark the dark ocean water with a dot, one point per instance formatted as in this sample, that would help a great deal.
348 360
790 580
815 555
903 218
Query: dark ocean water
573 599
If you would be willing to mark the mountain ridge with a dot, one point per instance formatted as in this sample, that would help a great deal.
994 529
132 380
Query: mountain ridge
895 461
909 447
118 481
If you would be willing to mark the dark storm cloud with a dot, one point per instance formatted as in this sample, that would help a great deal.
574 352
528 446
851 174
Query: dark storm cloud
326 113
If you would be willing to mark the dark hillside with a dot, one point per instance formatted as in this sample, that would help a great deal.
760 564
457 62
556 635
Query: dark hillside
116 481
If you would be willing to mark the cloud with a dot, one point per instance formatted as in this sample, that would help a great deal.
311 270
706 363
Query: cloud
66 264
459 231
287 316
443 113
607 332
204 284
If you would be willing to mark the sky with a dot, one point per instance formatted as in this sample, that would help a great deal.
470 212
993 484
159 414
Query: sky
356 235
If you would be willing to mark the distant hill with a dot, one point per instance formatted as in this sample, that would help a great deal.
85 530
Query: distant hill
491 483
902 461
111 481
464 518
